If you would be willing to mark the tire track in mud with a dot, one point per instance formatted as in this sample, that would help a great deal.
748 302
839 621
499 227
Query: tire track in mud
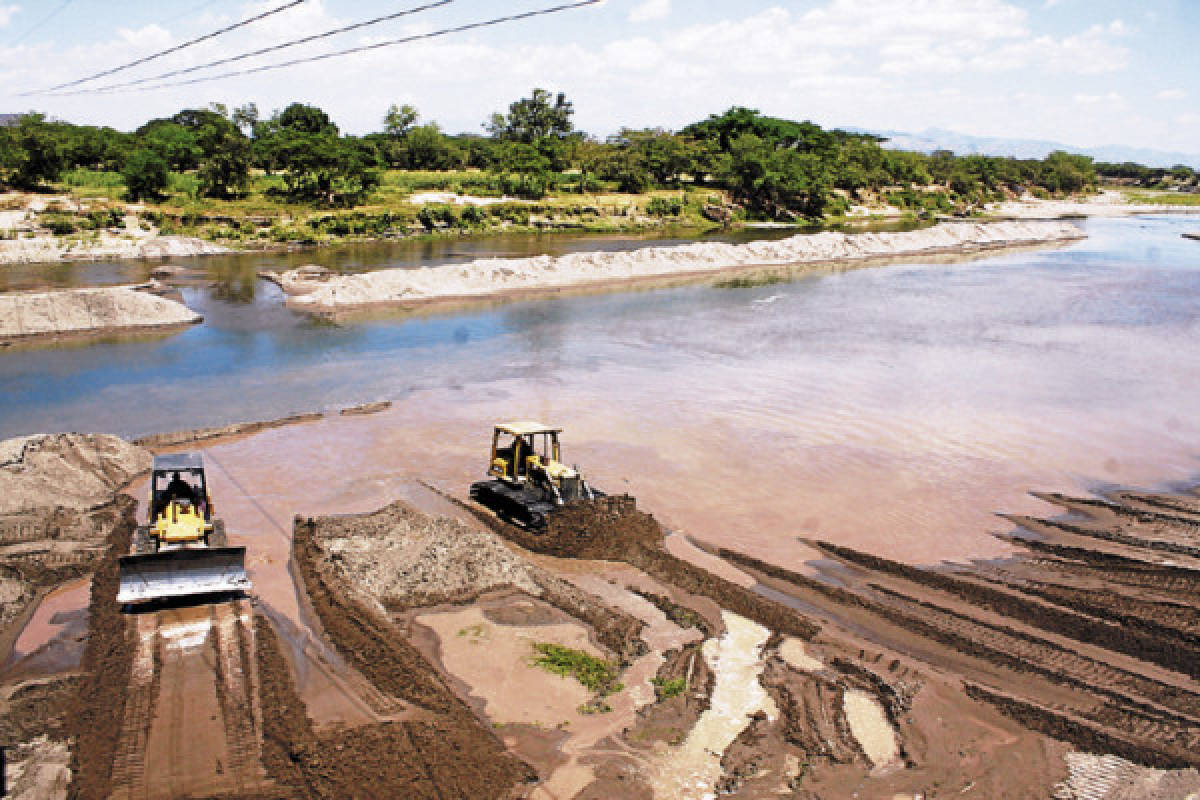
441 751
107 661
1128 605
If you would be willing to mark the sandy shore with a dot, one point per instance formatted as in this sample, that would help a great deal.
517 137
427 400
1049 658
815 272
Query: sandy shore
50 248
1104 204
493 277
74 312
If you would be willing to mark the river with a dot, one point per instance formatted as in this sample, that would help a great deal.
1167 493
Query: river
895 408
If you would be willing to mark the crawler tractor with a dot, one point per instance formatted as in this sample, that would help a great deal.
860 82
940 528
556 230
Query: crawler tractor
183 550
529 479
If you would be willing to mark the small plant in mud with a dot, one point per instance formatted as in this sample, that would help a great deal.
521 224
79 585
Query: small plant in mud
750 281
667 688
596 674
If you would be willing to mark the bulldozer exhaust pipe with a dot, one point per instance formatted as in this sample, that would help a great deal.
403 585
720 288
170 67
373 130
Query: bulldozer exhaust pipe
181 573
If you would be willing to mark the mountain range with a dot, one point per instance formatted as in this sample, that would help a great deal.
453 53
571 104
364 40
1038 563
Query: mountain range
963 144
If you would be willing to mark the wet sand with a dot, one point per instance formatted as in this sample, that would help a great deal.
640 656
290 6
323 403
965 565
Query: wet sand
527 277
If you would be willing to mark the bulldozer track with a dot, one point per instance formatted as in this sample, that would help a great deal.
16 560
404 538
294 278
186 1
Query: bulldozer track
165 719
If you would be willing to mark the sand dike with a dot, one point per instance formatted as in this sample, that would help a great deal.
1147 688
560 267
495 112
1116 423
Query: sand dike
492 277
26 316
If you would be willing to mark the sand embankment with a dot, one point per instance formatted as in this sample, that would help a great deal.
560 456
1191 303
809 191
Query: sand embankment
1105 204
26 315
50 248
496 277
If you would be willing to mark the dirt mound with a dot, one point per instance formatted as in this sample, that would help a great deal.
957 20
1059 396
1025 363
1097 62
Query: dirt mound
177 438
447 753
613 529
88 311
72 470
403 558
95 715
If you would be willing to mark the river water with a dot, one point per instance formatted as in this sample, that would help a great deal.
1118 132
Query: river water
895 408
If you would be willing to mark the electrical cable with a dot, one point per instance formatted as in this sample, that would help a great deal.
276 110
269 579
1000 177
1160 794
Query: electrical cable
348 51
174 49
40 23
265 50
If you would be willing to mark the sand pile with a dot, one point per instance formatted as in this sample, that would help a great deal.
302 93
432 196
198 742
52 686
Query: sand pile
87 311
47 247
495 276
69 470
402 557
1105 204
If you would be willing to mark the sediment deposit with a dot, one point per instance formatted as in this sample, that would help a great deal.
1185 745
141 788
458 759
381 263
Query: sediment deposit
74 312
45 247
494 276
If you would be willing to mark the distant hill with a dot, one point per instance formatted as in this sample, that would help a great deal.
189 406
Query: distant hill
962 144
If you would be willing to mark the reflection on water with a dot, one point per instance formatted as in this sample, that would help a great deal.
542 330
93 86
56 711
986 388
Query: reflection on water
894 409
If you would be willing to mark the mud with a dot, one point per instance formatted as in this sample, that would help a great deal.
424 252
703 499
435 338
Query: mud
1089 638
445 751
160 441
612 528
96 712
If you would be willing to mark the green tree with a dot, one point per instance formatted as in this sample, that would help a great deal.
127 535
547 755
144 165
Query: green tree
34 153
774 180
145 174
174 142
664 155
245 117
538 116
399 120
426 147
304 118
322 167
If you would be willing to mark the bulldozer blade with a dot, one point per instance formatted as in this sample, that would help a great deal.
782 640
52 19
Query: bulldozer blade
179 573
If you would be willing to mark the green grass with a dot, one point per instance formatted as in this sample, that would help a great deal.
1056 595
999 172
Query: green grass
751 281
666 688
596 674
1160 198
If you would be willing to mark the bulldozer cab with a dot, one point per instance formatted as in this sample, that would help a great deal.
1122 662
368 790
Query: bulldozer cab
182 552
518 447
179 477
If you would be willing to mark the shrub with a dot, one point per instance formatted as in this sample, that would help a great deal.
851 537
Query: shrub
60 224
146 175
665 206
667 688
596 674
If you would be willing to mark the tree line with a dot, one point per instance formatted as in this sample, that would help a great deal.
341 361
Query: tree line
775 167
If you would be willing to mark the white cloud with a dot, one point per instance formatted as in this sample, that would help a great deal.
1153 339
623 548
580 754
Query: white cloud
651 10
7 13
1111 98
1171 94
907 65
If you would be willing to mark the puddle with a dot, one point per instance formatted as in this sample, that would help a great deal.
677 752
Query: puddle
870 727
691 771
53 616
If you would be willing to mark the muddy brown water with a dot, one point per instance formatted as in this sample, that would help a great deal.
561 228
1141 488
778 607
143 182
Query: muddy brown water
892 409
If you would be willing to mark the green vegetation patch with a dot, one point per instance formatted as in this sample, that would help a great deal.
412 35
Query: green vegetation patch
597 674
667 688
751 281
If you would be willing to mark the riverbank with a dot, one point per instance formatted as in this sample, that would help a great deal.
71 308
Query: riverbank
1107 203
500 277
88 312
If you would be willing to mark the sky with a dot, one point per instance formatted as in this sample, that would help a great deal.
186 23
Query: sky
1085 72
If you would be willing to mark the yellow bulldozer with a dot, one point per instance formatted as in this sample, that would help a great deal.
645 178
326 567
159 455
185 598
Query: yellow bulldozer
183 550
529 479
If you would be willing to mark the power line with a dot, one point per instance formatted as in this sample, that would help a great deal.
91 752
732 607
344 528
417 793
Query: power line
360 49
174 49
40 23
251 54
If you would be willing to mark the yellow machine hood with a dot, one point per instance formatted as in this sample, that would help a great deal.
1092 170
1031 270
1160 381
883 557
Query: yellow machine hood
179 523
